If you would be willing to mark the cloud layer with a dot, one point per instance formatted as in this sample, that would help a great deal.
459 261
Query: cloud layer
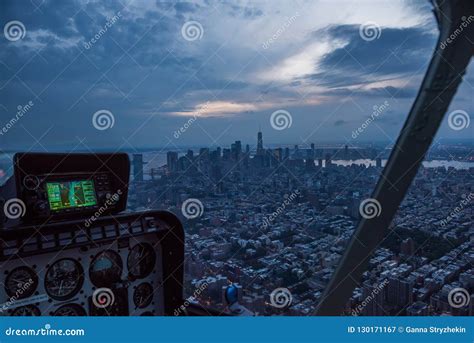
248 60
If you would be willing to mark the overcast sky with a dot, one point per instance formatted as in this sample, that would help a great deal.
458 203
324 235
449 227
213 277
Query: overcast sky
220 68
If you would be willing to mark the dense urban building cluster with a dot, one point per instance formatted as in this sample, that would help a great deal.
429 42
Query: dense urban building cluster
275 218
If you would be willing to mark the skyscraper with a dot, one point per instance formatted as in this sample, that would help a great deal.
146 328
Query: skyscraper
378 162
172 161
259 143
138 167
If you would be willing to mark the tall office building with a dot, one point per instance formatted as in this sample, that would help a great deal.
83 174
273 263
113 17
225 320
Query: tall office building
172 161
138 167
259 143
236 149
328 160
378 162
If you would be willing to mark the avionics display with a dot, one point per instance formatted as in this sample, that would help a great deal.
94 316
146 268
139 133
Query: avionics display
71 194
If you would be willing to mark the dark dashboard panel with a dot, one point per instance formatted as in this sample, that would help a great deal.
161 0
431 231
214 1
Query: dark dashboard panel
122 265
67 186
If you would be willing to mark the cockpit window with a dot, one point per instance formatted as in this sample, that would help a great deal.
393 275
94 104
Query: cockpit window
264 126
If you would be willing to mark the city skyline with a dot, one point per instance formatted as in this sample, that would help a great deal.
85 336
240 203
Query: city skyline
279 219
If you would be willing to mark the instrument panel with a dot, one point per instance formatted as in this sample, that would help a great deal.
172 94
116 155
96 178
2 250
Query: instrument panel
121 268
94 281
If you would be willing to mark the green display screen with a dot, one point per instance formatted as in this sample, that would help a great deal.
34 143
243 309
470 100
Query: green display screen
71 194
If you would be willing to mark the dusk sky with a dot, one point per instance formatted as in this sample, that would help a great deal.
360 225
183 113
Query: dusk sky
223 68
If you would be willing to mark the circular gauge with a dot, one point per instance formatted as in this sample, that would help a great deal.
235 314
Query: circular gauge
106 268
29 310
141 260
143 295
64 278
70 310
21 282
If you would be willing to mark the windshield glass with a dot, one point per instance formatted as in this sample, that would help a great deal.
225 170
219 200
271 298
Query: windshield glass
264 126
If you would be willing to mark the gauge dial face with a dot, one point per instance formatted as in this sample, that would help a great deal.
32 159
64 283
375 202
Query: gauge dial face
143 295
21 282
106 268
70 310
141 260
64 278
29 310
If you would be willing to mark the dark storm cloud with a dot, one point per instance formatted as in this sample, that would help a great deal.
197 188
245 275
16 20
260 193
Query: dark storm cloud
144 72
396 53
397 50
389 91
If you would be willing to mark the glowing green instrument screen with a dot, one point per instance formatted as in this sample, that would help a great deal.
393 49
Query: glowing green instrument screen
71 194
